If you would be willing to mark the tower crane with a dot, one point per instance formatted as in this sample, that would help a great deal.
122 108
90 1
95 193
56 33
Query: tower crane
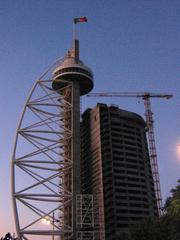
150 132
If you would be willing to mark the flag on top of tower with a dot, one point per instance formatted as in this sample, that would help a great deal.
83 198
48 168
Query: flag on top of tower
80 19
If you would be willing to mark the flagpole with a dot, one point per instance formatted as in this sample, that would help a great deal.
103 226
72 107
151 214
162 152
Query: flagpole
77 20
75 41
74 33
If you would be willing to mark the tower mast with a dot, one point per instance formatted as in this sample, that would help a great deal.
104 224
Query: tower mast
79 81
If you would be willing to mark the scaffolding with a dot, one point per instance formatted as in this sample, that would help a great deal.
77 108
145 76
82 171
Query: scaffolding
87 215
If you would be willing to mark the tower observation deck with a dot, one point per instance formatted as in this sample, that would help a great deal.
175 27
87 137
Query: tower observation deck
73 70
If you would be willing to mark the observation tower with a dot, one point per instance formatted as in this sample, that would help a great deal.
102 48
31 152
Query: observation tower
46 184
72 79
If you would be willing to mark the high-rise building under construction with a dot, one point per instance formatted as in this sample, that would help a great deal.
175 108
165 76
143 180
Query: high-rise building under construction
116 167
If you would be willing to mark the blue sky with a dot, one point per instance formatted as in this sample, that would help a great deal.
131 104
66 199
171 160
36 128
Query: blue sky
131 45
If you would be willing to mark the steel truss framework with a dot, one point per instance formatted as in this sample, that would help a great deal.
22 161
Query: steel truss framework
152 153
87 217
42 167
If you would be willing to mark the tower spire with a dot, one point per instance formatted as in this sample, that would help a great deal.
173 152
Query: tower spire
76 50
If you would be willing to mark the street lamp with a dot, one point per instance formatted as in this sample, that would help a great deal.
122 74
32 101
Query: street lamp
53 227
47 220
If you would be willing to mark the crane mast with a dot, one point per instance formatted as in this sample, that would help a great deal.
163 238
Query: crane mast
152 151
150 132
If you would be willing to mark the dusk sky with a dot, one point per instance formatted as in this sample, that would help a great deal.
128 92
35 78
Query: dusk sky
131 45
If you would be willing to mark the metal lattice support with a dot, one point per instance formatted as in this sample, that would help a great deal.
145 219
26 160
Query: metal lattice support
46 156
152 152
42 163
87 217
88 235
85 211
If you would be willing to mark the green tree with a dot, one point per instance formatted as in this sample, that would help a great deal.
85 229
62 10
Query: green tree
172 205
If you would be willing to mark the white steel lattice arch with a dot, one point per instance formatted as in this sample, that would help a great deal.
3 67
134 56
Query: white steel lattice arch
39 161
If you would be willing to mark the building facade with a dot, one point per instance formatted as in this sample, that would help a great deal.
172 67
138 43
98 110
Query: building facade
115 166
